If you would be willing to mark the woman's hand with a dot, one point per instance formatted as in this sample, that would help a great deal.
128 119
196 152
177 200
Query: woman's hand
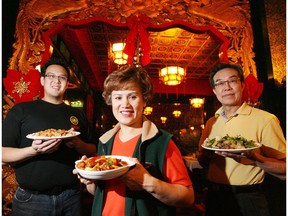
90 184
137 177
83 180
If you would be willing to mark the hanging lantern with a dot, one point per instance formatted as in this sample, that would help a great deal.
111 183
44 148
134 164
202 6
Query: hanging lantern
197 102
172 75
119 56
148 110
176 113
163 119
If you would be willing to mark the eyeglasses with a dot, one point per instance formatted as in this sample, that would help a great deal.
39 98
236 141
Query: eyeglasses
54 77
231 82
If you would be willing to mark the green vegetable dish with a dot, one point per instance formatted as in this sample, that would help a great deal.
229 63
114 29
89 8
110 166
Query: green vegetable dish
229 142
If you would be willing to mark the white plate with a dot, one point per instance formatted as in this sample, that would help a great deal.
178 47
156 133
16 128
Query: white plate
31 136
257 145
107 174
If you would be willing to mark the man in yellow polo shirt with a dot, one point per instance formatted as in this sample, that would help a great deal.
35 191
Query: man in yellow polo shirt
235 180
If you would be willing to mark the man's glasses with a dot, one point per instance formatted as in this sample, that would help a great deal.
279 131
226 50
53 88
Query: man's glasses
54 77
232 82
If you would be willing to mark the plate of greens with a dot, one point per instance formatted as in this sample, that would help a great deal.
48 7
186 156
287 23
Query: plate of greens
233 144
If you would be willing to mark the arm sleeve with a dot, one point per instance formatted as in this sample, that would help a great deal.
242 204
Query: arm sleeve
12 135
175 170
273 138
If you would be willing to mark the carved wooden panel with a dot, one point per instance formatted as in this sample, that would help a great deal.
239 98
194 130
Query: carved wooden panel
232 18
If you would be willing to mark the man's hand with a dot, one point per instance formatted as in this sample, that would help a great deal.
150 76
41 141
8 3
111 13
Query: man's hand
46 147
243 157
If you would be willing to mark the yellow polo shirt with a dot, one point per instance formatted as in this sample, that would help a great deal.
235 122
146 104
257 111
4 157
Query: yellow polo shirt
253 124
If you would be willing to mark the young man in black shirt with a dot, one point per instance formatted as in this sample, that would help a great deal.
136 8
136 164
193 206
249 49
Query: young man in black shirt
47 185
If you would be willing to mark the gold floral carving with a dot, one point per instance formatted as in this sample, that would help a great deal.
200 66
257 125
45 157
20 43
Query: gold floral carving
231 17
21 87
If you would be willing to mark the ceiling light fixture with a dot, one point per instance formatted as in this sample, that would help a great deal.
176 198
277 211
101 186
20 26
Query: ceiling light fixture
197 102
163 119
177 113
148 110
119 56
172 75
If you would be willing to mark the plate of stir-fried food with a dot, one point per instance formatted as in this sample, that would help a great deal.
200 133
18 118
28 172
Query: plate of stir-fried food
234 144
103 167
52 133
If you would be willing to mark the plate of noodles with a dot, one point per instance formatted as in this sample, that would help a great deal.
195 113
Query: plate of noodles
53 134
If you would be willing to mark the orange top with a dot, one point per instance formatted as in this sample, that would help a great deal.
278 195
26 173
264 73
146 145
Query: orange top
174 171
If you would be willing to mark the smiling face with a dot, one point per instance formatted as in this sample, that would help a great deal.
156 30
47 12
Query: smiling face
228 87
54 83
128 105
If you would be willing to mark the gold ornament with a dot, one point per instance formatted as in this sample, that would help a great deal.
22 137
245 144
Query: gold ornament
74 120
21 87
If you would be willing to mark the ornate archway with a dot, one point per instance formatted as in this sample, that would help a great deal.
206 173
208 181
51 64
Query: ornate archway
36 18
231 18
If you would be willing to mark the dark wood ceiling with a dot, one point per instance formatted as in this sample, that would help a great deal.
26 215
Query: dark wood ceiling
195 50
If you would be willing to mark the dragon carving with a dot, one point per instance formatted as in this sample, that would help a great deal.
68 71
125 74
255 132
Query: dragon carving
33 18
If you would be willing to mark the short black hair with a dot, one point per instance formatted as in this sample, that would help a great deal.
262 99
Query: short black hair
55 61
221 66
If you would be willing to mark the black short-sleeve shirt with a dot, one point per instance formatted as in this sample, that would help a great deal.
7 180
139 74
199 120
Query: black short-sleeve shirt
44 171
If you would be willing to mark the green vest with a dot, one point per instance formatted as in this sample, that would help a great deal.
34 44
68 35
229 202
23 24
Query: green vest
152 152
